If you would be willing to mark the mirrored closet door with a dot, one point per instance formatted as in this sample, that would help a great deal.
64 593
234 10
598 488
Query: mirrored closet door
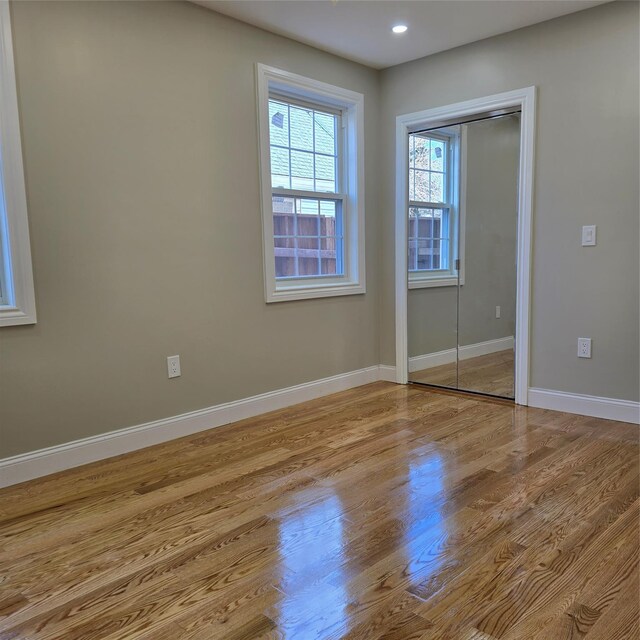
462 238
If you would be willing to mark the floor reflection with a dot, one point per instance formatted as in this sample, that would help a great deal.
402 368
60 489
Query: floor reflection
426 533
492 373
312 544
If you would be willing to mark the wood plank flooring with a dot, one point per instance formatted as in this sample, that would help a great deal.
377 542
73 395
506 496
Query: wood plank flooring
492 373
384 512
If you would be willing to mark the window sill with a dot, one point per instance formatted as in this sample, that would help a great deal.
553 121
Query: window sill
10 316
306 292
437 281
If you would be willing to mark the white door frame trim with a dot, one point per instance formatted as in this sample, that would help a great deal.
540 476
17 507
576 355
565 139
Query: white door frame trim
525 99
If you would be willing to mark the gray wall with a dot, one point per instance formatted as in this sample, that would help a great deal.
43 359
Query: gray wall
491 157
140 150
585 66
432 320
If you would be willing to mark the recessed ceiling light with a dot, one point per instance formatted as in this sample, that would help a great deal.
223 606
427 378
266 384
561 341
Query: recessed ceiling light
399 28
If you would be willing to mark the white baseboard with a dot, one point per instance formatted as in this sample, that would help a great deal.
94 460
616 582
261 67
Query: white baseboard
43 462
387 373
595 406
437 358
430 360
486 347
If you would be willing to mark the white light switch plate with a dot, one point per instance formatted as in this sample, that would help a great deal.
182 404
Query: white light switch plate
589 235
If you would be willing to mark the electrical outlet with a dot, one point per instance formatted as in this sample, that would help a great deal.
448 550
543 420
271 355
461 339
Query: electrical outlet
584 347
173 366
589 236
497 312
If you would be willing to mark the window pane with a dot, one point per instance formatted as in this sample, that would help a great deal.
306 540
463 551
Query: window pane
429 238
328 209
308 229
330 238
325 173
437 255
280 168
301 128
303 148
427 169
436 191
325 125
421 152
307 206
286 267
425 252
302 170
426 228
305 243
437 154
328 267
421 186
331 263
308 237
278 123
283 225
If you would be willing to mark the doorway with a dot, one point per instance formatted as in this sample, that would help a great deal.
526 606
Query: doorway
463 242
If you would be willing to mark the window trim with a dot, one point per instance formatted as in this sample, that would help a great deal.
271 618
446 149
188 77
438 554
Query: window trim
14 226
351 105
455 177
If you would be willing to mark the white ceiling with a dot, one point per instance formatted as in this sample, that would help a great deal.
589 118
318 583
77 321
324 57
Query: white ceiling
360 30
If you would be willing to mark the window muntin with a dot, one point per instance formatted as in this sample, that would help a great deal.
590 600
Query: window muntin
308 237
427 169
431 211
428 239
308 232
303 143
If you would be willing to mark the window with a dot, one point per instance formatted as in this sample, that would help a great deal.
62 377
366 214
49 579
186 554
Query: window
433 209
311 154
307 232
17 301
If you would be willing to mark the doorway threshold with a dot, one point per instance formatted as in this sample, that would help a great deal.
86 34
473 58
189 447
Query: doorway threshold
478 395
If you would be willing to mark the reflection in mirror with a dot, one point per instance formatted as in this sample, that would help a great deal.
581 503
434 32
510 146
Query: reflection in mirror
487 299
462 221
432 335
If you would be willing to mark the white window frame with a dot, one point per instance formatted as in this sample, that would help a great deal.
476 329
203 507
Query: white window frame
17 304
455 183
351 184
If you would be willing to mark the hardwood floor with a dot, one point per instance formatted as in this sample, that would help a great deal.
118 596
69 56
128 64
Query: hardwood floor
492 373
382 512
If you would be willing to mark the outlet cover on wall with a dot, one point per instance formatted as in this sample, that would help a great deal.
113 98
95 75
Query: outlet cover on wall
584 347
173 366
